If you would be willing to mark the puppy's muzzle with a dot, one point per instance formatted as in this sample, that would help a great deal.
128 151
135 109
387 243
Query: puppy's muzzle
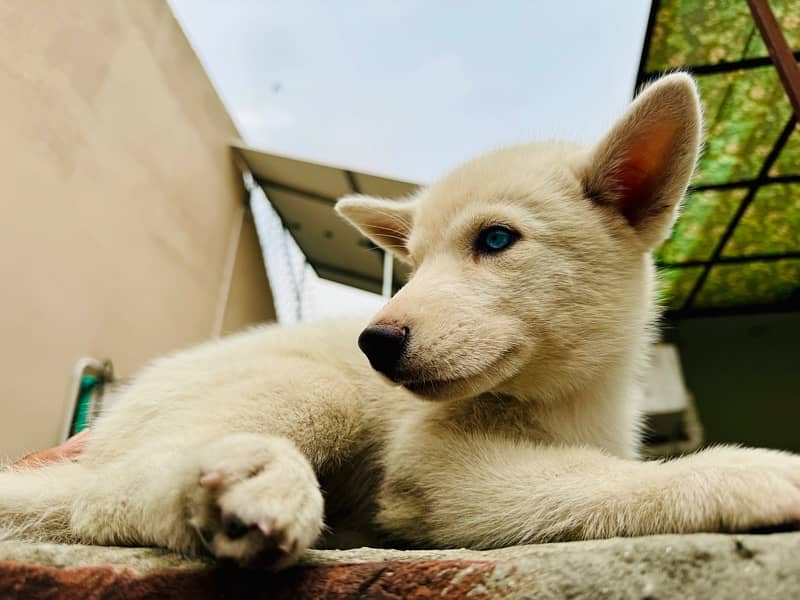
384 345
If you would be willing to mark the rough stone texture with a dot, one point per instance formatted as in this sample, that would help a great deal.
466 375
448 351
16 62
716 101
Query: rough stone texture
693 566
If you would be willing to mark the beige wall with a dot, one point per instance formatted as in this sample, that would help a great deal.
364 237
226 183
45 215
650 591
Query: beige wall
121 210
250 297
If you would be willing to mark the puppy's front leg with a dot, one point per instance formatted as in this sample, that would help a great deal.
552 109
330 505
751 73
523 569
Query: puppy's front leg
484 493
242 496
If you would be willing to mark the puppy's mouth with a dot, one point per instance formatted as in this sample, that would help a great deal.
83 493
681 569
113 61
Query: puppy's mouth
432 387
456 386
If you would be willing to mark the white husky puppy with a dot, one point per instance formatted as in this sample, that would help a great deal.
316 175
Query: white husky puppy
505 411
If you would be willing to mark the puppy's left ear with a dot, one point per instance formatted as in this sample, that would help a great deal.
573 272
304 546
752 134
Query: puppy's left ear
643 165
385 222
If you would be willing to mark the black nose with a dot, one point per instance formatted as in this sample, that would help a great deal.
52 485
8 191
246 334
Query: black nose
383 345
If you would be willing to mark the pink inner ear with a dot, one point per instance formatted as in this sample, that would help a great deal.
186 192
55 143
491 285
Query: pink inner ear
640 171
389 229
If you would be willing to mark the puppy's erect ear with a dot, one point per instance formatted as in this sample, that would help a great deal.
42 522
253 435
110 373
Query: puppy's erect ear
643 165
387 223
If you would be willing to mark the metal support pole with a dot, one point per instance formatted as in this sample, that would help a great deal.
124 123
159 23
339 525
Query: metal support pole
779 50
388 274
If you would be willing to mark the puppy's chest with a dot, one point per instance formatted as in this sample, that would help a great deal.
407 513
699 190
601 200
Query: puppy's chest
350 490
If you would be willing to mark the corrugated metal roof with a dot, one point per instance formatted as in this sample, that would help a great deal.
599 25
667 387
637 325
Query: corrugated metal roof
304 193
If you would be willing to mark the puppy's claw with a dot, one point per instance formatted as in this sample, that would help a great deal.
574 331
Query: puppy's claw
266 525
287 547
212 480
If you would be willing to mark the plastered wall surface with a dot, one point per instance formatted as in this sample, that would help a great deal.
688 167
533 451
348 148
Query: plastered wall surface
122 232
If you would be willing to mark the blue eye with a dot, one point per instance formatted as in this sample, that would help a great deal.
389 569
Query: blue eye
495 239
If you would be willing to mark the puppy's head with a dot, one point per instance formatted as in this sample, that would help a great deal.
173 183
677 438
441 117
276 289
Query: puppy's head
531 264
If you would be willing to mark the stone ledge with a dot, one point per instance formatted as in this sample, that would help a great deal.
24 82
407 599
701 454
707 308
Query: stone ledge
686 566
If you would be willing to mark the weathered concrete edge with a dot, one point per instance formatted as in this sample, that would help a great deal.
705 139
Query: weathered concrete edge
144 559
703 565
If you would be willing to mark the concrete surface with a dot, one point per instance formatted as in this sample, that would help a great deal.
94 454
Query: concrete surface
670 566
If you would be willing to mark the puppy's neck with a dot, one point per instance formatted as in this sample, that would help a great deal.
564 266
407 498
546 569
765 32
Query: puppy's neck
602 413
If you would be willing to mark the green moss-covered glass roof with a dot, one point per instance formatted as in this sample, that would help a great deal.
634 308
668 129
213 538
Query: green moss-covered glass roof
676 285
788 162
770 225
736 245
757 282
689 33
745 113
705 217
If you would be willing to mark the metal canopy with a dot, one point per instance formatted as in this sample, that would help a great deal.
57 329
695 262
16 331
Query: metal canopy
304 193
736 247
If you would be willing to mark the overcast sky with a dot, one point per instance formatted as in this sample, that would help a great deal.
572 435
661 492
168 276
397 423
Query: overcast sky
409 88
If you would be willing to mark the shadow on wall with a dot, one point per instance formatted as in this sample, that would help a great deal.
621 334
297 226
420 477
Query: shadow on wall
745 375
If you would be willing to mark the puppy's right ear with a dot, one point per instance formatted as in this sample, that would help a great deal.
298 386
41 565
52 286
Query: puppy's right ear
643 165
387 223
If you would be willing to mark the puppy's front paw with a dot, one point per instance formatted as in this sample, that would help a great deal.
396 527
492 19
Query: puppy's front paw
756 488
257 501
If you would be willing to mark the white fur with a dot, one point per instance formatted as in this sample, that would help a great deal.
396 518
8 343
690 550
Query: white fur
525 364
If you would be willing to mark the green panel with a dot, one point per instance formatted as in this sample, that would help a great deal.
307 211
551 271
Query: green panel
698 32
788 162
703 32
750 283
675 284
770 225
745 114
703 220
